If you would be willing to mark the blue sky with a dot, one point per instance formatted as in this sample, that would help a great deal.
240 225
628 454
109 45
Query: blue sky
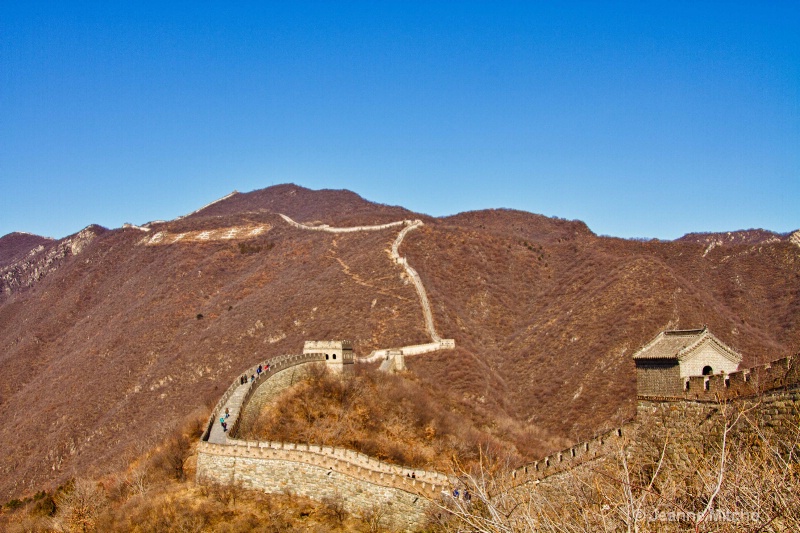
644 119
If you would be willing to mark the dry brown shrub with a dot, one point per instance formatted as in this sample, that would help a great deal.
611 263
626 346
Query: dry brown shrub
391 417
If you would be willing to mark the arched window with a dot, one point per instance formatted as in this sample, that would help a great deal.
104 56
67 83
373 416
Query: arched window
334 356
707 370
326 357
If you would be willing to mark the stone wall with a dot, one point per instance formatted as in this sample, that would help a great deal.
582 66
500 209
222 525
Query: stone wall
415 349
708 354
329 229
771 392
744 383
658 377
296 472
270 386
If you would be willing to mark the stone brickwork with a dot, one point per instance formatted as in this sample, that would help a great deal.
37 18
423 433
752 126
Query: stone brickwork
289 471
744 383
267 389
338 355
659 376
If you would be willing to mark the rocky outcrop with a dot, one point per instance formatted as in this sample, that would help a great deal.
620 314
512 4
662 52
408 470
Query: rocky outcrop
43 259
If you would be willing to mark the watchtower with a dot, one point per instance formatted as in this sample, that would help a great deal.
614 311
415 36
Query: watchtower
338 354
667 361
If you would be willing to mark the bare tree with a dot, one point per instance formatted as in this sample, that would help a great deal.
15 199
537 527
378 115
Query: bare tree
729 470
79 506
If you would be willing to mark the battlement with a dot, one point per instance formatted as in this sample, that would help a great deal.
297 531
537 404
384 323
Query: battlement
773 381
748 382
321 346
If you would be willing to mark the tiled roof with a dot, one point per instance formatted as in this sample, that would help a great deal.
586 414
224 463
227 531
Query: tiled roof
676 344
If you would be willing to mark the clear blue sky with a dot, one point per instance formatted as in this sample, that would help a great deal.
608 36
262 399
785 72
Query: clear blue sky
644 119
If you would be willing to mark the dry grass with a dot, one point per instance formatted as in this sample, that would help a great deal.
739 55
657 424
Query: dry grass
395 418
154 495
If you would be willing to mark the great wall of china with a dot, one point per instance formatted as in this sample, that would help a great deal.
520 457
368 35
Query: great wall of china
363 483
320 472
773 384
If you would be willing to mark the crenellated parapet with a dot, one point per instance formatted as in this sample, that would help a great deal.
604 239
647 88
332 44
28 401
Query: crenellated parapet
573 456
357 465
745 383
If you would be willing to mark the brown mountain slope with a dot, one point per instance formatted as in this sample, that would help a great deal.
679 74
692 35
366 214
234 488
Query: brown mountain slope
15 246
554 325
131 331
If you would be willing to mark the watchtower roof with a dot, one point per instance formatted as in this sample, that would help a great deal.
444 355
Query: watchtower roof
680 344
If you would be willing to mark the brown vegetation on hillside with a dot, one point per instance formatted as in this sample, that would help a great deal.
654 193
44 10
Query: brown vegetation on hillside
391 417
105 350
15 246
559 318
330 206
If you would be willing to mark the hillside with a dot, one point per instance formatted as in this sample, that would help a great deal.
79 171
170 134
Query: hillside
112 337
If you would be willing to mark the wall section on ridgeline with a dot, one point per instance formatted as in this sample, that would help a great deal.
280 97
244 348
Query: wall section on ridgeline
362 483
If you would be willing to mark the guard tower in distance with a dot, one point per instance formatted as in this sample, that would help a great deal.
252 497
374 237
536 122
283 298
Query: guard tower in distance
338 354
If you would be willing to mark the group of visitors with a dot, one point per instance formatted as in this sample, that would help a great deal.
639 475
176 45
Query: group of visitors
261 368
223 420
243 381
